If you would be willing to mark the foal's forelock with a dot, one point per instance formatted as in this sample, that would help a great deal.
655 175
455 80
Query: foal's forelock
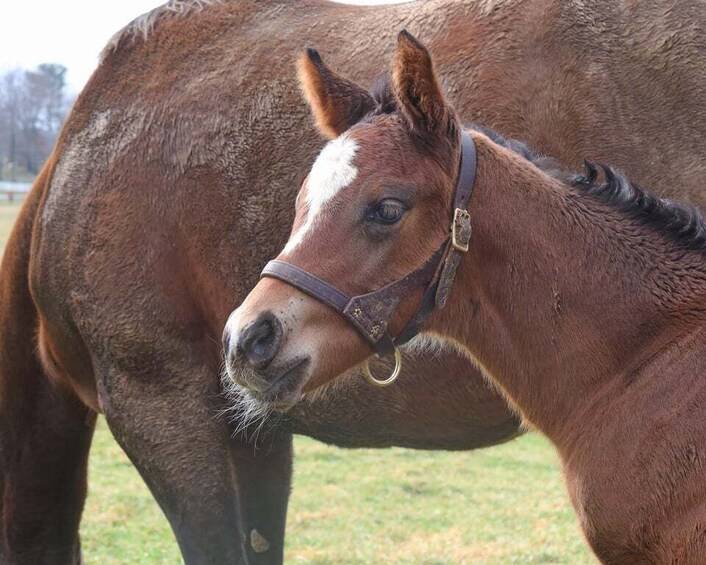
332 171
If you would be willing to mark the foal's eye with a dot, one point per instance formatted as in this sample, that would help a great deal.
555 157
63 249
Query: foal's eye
387 211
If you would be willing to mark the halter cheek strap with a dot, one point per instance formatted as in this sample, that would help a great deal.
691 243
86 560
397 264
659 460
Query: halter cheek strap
371 313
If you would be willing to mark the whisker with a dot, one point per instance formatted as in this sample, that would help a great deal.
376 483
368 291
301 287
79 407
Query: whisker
249 417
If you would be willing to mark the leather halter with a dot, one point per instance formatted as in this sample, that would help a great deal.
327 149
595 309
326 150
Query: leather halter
371 313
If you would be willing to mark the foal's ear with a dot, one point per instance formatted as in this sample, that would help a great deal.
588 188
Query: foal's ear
336 102
416 87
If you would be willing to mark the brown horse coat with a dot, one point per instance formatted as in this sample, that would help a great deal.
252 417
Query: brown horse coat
582 296
174 181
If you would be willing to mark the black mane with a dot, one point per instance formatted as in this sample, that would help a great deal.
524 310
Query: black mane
682 222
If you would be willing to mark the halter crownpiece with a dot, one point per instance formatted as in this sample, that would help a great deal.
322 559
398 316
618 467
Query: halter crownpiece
371 313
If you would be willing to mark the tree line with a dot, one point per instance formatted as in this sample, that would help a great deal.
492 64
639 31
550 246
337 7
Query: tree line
33 105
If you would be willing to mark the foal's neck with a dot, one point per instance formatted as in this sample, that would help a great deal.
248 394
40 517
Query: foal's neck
562 295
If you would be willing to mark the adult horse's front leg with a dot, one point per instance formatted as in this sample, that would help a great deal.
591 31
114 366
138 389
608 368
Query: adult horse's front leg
45 430
45 439
263 472
225 500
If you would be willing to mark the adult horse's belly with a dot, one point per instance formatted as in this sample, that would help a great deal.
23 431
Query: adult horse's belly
439 402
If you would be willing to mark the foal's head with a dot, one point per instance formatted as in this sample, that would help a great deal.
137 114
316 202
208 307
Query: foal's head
375 207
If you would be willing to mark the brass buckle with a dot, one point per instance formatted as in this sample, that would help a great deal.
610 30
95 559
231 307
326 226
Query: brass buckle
461 230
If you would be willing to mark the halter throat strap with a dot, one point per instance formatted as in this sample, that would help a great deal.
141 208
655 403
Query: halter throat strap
371 313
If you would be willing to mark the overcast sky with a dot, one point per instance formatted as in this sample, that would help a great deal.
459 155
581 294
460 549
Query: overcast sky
69 32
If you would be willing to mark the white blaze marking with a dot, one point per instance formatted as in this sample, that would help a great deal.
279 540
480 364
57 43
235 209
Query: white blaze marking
333 170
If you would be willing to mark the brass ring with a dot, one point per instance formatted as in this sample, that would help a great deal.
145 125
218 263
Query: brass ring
389 380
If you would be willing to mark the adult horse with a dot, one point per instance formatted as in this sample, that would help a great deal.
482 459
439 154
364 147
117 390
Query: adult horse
583 298
173 182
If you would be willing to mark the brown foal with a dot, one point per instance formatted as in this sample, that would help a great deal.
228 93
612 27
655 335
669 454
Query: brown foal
582 297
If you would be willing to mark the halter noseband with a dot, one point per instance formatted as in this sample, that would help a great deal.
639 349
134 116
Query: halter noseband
371 313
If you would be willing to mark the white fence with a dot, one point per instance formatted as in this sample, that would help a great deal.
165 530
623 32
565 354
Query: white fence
13 191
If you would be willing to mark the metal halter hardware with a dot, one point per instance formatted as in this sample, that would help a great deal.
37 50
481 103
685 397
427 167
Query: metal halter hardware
371 313
389 380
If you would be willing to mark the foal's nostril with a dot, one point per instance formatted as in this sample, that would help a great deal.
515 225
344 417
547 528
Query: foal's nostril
259 342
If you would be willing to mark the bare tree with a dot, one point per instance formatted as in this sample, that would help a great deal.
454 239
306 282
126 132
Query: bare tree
9 116
32 109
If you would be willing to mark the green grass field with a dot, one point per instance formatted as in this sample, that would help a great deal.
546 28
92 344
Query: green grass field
8 212
501 505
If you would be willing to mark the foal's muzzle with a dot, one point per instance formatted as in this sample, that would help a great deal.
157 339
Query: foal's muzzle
254 359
